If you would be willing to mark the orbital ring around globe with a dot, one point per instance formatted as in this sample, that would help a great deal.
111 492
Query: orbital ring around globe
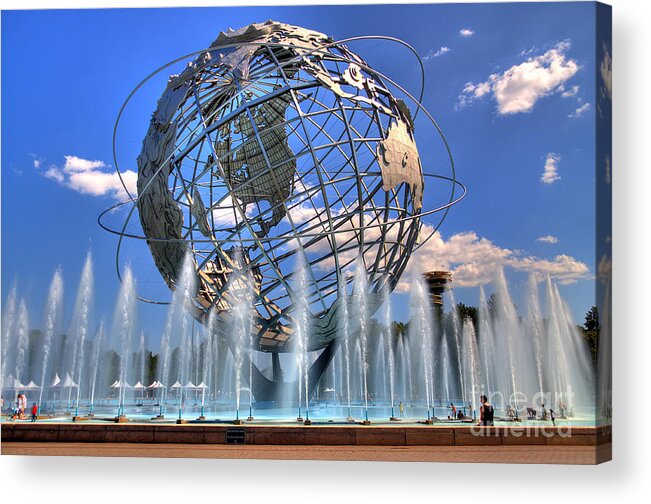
258 127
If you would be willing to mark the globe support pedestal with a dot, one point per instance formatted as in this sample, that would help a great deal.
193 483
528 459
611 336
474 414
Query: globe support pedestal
274 391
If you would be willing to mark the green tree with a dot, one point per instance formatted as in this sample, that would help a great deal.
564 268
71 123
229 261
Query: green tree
470 312
590 330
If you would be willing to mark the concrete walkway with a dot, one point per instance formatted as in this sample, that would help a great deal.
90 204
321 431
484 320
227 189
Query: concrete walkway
494 454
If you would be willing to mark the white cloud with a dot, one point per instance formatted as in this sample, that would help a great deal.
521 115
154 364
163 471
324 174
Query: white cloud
99 183
225 213
547 239
435 54
569 93
76 164
54 173
606 70
579 111
37 163
473 261
562 268
550 174
521 86
94 178
466 32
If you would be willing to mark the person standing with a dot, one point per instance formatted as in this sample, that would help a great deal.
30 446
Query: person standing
486 412
34 412
401 407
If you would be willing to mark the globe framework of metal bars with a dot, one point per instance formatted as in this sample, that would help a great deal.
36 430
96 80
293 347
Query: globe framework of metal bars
278 142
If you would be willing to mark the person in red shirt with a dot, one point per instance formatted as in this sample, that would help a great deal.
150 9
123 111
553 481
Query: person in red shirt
34 412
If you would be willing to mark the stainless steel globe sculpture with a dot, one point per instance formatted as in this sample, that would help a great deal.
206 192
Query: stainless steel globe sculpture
277 145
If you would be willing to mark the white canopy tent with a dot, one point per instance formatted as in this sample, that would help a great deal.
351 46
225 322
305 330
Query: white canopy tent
56 381
13 384
68 382
118 384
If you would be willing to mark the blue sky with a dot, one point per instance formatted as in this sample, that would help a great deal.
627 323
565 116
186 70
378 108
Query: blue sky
512 86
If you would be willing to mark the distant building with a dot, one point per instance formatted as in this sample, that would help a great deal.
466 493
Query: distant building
437 283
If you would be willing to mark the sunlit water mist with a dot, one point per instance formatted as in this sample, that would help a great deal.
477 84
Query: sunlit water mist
8 332
173 366
81 320
94 370
457 377
122 332
301 315
207 368
520 357
421 330
360 294
22 336
240 291
471 370
487 340
52 325
391 364
142 360
344 331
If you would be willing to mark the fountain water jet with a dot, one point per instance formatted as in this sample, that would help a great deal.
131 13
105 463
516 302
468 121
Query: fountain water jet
301 307
360 297
8 328
81 322
122 333
456 332
53 321
22 333
345 337
97 351
174 351
386 295
422 332
240 291
472 376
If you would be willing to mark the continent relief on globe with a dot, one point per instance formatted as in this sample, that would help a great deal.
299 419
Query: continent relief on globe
262 166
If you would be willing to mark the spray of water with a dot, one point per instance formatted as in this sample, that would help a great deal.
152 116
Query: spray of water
8 328
301 307
122 332
81 321
22 332
456 333
345 337
421 331
97 351
472 377
53 320
360 296
240 290
174 352
386 295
